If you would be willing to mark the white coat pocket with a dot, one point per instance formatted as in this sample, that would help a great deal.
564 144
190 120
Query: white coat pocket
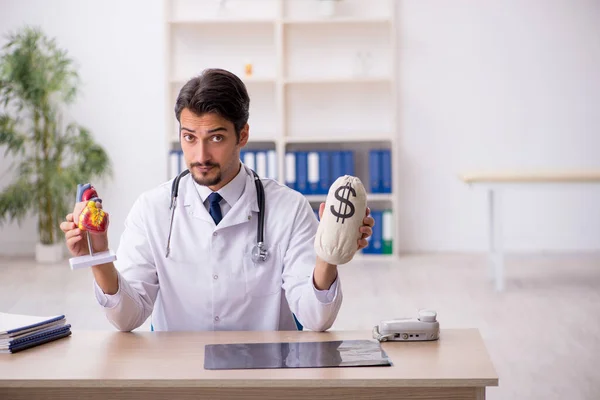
263 278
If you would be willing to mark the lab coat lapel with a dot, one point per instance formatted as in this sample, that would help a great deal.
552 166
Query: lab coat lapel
192 201
241 211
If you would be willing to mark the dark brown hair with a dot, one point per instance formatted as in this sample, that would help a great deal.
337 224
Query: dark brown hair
216 91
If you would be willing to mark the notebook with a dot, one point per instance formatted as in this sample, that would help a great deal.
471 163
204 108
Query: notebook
20 332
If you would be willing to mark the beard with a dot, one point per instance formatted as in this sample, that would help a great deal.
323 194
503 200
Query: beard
208 178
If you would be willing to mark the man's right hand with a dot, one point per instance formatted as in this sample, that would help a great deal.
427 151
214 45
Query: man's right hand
76 238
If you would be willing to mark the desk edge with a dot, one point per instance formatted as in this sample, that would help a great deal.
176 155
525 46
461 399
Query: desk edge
247 383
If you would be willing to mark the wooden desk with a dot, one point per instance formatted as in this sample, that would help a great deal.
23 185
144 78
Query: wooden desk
161 365
493 182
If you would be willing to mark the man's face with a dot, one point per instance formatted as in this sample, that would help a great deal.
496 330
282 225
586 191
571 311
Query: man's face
210 148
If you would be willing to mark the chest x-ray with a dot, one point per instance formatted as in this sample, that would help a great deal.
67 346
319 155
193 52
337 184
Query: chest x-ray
341 353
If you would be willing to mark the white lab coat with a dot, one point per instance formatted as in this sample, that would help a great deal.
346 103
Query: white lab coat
209 281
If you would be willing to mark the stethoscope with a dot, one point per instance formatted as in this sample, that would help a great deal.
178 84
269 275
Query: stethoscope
259 252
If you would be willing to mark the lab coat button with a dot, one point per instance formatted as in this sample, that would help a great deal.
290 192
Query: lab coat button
214 233
215 277
217 318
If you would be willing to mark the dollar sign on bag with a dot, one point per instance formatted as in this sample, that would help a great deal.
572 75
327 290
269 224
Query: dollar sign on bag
344 202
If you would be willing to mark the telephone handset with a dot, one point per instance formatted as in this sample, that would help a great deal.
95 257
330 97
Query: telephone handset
424 327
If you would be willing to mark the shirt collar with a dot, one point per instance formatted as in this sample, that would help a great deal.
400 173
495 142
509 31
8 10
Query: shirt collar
230 192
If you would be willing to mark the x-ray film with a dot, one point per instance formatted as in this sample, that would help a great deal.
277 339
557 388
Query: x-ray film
341 353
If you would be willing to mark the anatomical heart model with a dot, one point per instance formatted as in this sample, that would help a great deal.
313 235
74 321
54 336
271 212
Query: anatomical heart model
92 219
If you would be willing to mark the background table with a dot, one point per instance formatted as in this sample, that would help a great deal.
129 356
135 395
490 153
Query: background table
160 365
493 182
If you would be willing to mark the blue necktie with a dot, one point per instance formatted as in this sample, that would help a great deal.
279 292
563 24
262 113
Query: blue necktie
215 209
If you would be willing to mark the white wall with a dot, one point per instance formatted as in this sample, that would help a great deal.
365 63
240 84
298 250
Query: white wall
118 46
483 85
498 84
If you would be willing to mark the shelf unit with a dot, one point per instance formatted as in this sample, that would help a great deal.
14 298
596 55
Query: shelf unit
318 82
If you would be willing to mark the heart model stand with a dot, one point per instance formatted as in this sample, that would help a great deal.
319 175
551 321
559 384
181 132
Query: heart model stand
97 221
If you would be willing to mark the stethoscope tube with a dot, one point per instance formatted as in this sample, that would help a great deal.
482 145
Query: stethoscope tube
259 252
173 205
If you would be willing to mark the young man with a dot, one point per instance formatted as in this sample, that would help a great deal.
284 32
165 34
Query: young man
209 281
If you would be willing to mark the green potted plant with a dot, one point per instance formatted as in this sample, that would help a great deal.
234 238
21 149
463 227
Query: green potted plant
49 156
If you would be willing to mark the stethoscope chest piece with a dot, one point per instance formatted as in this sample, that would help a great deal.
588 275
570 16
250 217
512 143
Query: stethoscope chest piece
259 253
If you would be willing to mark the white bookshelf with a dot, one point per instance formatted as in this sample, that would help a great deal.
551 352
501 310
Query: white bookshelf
339 20
318 82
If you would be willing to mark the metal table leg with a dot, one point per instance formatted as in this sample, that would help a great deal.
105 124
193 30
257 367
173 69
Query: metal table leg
496 254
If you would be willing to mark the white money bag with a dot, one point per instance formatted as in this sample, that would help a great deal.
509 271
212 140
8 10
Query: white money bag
338 232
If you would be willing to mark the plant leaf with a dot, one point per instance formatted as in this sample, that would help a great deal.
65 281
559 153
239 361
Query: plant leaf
9 136
16 201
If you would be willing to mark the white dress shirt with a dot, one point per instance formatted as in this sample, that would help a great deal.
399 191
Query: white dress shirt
209 281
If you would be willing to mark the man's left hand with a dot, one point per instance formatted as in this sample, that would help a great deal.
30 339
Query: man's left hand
366 229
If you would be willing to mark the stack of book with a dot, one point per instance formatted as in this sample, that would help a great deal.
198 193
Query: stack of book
20 332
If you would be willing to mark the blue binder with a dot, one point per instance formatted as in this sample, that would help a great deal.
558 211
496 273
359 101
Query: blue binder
348 162
374 171
386 171
337 167
302 172
324 172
